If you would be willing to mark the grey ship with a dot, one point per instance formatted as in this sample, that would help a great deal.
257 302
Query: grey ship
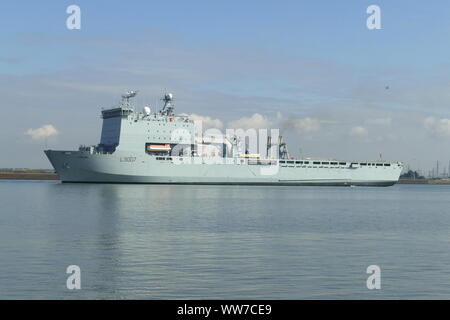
164 148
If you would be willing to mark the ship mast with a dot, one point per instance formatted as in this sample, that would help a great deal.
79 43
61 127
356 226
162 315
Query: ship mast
168 108
126 98
284 153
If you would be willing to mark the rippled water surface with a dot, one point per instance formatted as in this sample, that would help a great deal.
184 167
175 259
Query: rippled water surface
226 242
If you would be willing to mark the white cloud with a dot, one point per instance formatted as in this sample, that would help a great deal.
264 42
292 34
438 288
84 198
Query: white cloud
207 122
43 132
437 126
303 124
256 121
358 131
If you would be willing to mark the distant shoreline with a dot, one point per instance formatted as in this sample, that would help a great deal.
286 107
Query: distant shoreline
423 181
413 181
28 175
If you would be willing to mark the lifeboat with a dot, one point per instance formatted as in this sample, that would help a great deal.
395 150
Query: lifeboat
249 155
158 147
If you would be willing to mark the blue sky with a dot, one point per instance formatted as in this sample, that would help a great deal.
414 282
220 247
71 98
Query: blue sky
325 29
229 60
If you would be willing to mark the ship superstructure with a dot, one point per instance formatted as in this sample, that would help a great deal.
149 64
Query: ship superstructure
162 147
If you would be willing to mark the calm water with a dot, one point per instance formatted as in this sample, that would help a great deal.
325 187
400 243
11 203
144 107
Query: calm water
181 242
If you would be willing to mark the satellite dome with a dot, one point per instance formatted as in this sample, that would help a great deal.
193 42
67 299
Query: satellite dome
147 111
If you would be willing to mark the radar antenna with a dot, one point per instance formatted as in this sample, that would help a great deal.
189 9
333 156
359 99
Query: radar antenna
283 150
127 96
168 105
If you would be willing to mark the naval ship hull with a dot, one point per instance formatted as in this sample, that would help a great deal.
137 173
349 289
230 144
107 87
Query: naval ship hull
85 167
